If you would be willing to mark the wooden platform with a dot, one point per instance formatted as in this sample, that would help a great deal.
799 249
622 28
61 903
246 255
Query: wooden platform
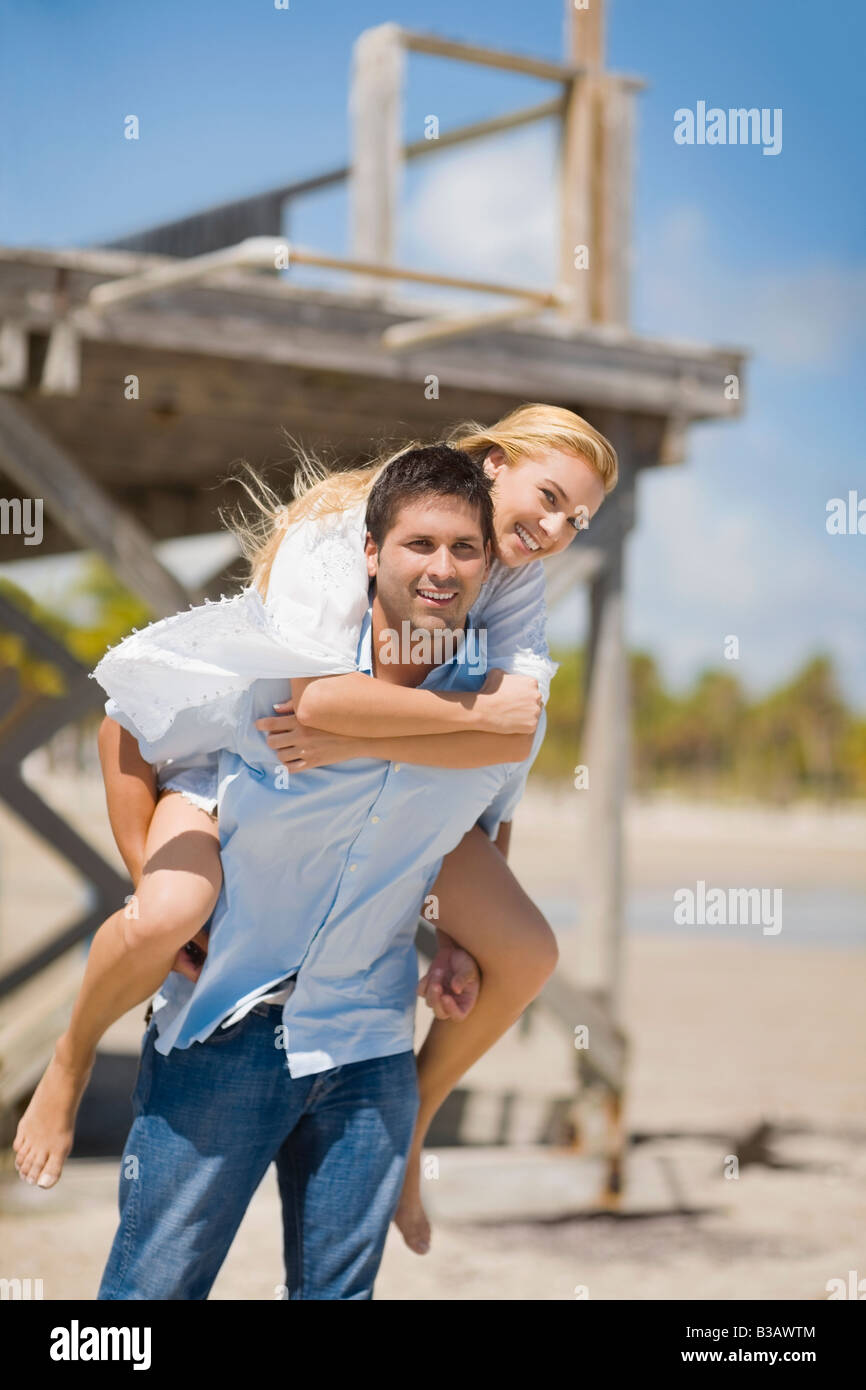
132 380
222 368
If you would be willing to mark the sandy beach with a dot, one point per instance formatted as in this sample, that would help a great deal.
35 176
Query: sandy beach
742 1045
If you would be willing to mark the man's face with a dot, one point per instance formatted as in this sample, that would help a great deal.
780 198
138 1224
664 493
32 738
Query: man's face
431 564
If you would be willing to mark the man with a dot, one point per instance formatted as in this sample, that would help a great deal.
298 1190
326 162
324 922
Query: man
295 1046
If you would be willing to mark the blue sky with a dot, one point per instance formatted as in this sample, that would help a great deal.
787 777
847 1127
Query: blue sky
731 246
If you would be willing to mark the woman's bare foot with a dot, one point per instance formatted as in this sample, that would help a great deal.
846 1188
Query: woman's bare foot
46 1130
410 1217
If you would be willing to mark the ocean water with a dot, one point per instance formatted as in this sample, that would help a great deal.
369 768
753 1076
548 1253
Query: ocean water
832 917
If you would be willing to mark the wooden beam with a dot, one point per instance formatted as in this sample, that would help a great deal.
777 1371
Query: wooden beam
596 174
495 125
255 252
605 1058
487 57
43 717
605 746
110 888
579 162
576 231
13 355
629 373
263 251
42 469
605 754
585 34
302 255
610 280
577 241
32 1021
61 371
376 114
246 306
401 336
251 323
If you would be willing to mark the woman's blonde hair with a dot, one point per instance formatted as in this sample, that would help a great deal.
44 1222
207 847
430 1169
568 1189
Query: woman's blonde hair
320 491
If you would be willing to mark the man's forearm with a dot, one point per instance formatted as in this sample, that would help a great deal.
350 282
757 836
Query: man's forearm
130 793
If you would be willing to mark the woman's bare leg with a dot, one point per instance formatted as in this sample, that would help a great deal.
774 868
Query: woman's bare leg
131 793
484 908
129 958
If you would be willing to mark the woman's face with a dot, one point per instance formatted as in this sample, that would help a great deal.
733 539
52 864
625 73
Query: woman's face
541 502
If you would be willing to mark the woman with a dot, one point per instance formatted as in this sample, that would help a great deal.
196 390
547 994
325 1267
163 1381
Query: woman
175 687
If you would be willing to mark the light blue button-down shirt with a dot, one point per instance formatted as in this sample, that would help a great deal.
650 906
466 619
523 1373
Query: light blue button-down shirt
324 875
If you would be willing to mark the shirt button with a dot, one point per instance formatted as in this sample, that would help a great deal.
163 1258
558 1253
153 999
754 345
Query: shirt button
396 767
375 820
352 868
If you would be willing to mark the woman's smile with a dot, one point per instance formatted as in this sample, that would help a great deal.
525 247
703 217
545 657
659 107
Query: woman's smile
526 539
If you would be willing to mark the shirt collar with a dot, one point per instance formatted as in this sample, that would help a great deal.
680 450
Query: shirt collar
365 644
365 647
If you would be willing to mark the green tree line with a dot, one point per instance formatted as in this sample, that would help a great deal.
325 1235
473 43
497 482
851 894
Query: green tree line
801 739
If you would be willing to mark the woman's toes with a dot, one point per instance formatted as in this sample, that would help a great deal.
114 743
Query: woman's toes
50 1174
418 1239
414 1227
37 1163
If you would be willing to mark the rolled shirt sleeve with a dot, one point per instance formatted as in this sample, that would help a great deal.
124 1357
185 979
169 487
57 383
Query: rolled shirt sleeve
513 614
503 806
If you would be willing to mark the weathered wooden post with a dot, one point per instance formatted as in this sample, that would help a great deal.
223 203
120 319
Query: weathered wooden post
595 175
611 282
594 265
584 49
376 110
605 744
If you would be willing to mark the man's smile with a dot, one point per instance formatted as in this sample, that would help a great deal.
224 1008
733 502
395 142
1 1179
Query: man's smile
438 598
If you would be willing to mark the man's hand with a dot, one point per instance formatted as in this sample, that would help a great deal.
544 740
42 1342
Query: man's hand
450 986
300 747
191 957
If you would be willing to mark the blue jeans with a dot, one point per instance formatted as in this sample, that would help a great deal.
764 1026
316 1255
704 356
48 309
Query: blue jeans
210 1119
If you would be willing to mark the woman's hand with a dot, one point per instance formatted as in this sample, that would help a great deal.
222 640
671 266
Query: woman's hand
509 704
300 747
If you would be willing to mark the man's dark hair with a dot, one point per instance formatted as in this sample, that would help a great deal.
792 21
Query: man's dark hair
436 470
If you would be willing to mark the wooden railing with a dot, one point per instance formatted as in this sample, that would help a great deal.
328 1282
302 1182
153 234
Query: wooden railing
594 112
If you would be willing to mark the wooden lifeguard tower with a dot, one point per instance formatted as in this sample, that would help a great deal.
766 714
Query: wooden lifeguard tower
224 349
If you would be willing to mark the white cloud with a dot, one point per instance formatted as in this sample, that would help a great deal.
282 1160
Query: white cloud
701 568
486 210
792 316
707 560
